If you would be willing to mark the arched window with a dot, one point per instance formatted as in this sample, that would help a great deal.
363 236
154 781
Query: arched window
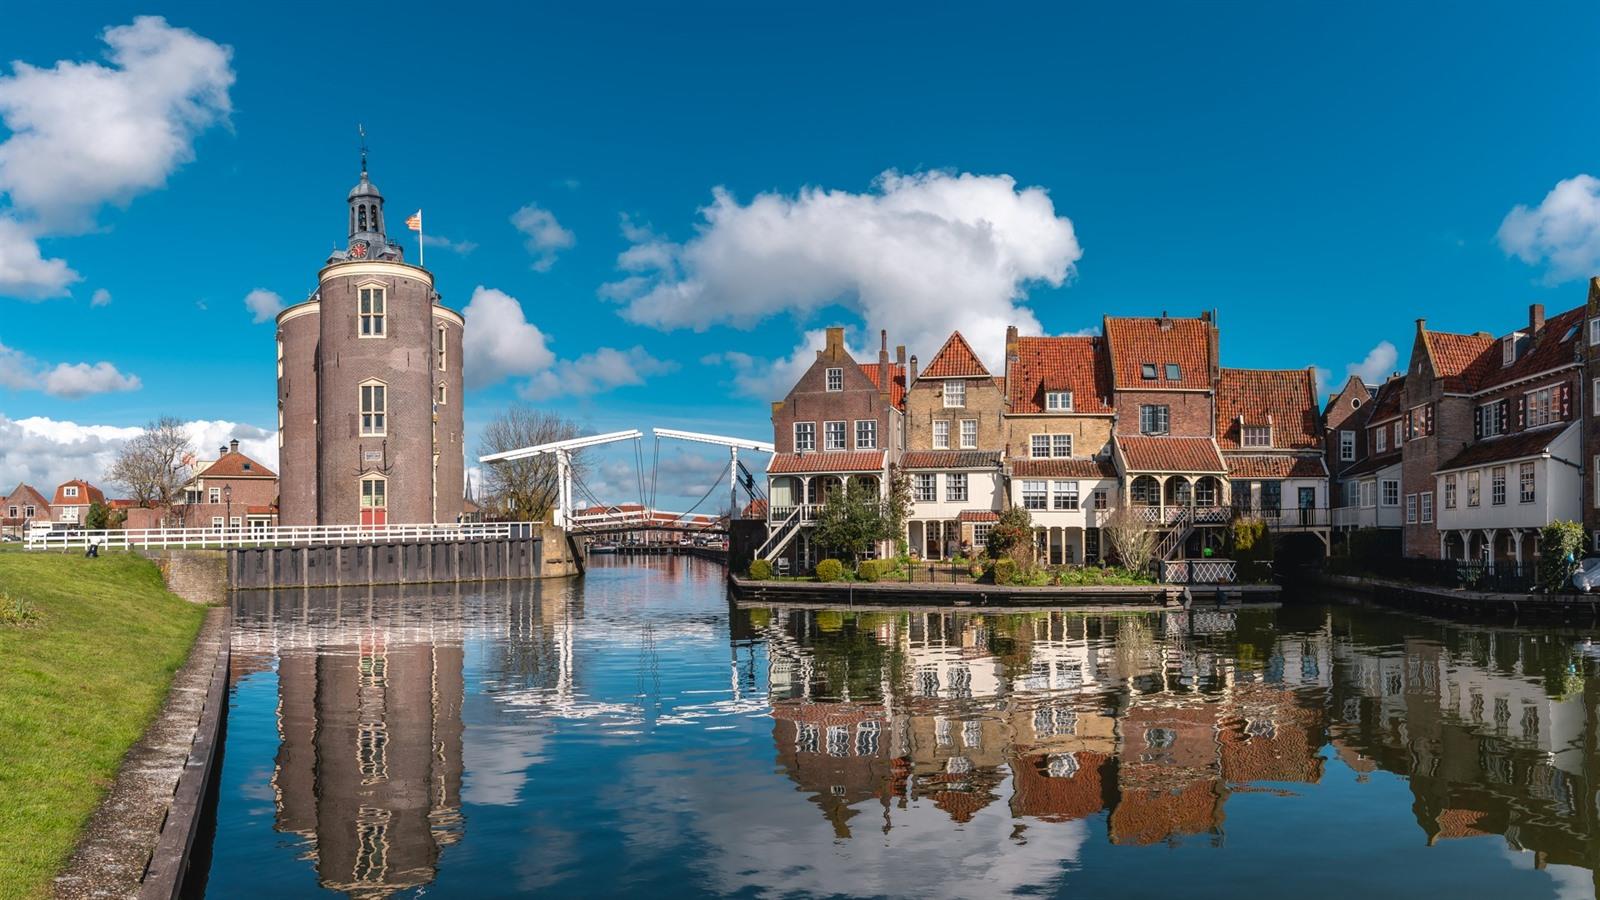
372 312
374 500
1145 491
442 346
440 394
374 409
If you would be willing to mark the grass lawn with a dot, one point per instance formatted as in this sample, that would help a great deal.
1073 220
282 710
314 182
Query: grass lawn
78 685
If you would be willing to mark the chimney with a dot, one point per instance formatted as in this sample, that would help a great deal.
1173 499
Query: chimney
835 345
1011 343
900 354
1535 318
911 373
233 446
883 362
222 451
1164 323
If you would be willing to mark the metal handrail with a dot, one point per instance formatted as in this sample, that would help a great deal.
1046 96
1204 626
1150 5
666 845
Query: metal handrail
782 531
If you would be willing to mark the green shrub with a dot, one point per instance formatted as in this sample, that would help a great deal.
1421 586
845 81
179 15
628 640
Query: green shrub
1560 543
761 570
976 570
1005 570
874 569
17 610
830 570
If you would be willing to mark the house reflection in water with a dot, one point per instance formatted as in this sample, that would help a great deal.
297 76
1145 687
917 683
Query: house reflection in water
1156 720
368 770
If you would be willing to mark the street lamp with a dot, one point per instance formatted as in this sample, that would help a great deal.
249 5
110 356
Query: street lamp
227 497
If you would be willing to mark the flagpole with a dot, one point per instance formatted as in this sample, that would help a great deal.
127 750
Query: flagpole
420 259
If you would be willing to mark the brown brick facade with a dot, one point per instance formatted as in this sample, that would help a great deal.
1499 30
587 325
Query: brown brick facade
1190 413
858 399
985 405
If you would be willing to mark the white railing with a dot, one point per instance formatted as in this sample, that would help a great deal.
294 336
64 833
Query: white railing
1199 571
642 519
273 536
808 512
1172 515
778 537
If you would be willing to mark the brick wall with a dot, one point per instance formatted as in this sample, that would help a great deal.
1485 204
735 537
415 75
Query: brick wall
1190 412
810 401
1091 435
985 402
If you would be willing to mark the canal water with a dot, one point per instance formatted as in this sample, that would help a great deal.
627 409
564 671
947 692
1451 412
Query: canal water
633 733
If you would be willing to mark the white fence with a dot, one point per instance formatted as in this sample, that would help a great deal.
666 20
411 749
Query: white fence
1199 571
276 536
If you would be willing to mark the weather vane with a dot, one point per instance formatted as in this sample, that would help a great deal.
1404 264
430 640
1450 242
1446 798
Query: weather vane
362 130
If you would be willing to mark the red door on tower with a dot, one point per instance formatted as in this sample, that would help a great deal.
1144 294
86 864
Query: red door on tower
374 501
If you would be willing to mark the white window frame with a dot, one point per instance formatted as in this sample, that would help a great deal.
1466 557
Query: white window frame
1399 433
1058 401
1527 483
1381 440
1594 332
1426 499
29 512
955 487
1389 492
1061 446
1490 413
441 395
1474 489
1255 436
832 428
214 496
955 394
924 487
1035 494
372 309
442 338
280 357
1347 445
1497 486
1595 392
805 436
1064 495
1411 509
1038 443
941 434
969 434
1450 491
980 533
373 408
366 498
833 380
1102 498
217 523
866 434
1369 494
1550 411
1157 411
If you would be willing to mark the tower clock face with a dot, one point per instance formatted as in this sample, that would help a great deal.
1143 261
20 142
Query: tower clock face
358 250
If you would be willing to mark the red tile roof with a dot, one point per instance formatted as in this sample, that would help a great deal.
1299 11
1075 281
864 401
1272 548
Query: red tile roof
756 509
950 459
1170 454
979 515
1390 400
1063 468
1076 364
1285 398
1137 341
824 462
24 494
1459 360
897 381
955 360
1279 466
1544 351
236 465
1520 445
87 494
267 510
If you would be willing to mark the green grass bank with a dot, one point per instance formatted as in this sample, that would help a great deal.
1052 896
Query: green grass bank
81 676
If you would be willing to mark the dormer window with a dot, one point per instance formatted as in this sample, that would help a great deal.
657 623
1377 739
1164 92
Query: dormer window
1508 350
955 394
835 379
1147 371
1256 435
1174 373
1058 401
70 490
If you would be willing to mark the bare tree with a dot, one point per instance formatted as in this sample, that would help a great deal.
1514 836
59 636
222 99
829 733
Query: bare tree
524 489
1131 539
155 465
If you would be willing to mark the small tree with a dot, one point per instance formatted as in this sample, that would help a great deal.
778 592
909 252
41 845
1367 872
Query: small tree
154 465
524 489
98 518
851 521
1130 538
1252 548
1012 536
897 509
1559 546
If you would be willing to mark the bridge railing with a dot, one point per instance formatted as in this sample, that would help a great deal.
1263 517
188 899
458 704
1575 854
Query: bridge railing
273 536
642 520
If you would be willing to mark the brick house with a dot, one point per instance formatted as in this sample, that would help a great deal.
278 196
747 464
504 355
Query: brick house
1367 491
1058 441
21 507
1519 467
1269 429
232 491
843 419
72 501
1344 422
955 429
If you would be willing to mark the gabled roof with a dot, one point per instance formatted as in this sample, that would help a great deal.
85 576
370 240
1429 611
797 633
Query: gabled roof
1063 468
236 465
1390 400
87 494
825 462
897 381
25 493
1544 351
1521 445
1284 398
1458 359
950 459
1076 364
1135 342
1170 454
1279 466
955 360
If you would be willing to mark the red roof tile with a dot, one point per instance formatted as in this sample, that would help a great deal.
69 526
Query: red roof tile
237 465
1520 445
1170 454
955 360
756 509
25 494
87 494
1390 401
1063 468
950 459
1135 342
1285 398
1268 466
1076 364
1460 359
979 515
1543 352
824 462
897 381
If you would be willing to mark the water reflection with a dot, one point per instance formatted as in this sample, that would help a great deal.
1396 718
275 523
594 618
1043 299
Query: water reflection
637 733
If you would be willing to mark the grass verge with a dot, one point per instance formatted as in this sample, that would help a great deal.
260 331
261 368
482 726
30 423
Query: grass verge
80 680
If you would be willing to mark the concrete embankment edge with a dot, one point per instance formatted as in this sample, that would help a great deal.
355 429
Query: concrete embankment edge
137 842
988 595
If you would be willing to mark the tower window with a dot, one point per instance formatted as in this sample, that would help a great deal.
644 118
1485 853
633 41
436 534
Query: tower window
361 216
374 409
441 394
442 338
372 307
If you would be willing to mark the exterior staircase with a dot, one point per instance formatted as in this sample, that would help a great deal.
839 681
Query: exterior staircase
1172 542
778 539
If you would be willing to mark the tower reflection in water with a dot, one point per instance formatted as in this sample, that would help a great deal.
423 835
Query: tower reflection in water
1158 719
368 769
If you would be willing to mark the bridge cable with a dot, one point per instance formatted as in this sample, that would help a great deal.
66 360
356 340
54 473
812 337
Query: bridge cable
638 469
655 468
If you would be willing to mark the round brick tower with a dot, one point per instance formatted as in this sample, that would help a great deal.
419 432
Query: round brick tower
369 388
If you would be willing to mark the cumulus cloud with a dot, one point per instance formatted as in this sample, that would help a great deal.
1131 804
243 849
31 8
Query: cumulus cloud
83 134
45 452
1374 368
459 247
593 373
264 305
101 297
919 254
70 381
1563 231
545 236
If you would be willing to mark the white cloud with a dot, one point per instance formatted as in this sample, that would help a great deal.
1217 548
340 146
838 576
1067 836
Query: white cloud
593 373
444 243
1374 368
77 380
771 379
500 341
545 236
264 305
71 381
1562 231
45 452
85 133
24 271
919 254
101 297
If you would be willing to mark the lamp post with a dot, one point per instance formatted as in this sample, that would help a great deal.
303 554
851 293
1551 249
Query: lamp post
227 497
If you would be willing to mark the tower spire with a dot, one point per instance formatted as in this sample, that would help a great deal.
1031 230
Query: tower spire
362 130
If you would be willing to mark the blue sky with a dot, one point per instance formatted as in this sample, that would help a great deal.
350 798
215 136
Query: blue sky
1321 176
